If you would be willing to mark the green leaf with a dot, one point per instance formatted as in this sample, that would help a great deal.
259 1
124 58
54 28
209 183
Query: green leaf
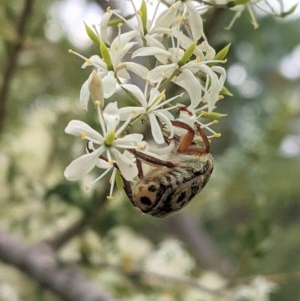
188 53
92 35
144 15
289 12
226 92
119 180
211 115
106 55
221 55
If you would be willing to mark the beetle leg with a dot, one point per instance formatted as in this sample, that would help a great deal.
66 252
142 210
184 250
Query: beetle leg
186 139
185 109
140 168
203 136
152 160
127 188
185 145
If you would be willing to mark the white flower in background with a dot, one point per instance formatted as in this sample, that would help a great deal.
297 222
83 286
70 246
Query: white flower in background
106 149
170 259
180 14
124 246
258 290
252 7
213 288
155 28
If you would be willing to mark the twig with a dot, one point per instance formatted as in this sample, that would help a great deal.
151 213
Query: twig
204 249
186 281
140 273
13 59
88 215
38 261
279 278
60 238
112 4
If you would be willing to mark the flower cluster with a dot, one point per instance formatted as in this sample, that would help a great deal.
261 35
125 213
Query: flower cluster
154 70
275 7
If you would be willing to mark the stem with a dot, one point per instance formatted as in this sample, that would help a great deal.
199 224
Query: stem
40 263
12 60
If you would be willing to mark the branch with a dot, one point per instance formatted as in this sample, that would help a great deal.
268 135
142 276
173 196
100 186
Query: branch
202 246
60 238
88 215
143 275
39 262
112 4
13 58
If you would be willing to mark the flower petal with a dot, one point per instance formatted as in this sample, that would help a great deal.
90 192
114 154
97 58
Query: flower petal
78 127
152 50
127 111
111 116
168 16
82 165
156 130
165 117
121 45
191 85
97 62
136 92
103 164
156 74
84 95
205 52
126 164
196 23
104 25
109 84
128 141
136 68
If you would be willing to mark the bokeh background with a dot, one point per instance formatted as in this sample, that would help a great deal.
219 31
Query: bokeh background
242 233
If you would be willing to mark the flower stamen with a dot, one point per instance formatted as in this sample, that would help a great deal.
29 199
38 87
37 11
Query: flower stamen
83 135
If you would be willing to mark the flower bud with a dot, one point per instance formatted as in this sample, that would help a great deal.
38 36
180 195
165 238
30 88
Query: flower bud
96 87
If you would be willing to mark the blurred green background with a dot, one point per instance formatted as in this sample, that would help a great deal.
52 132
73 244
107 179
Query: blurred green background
245 223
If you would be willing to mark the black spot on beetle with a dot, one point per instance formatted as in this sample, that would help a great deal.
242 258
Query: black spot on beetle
145 201
152 188
196 186
181 197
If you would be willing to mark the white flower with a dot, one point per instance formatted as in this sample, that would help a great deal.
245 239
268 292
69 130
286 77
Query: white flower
122 246
185 11
190 116
180 55
171 18
107 77
170 259
178 64
202 82
154 107
118 71
258 290
106 149
203 88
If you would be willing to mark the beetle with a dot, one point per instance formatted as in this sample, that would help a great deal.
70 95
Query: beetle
172 184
